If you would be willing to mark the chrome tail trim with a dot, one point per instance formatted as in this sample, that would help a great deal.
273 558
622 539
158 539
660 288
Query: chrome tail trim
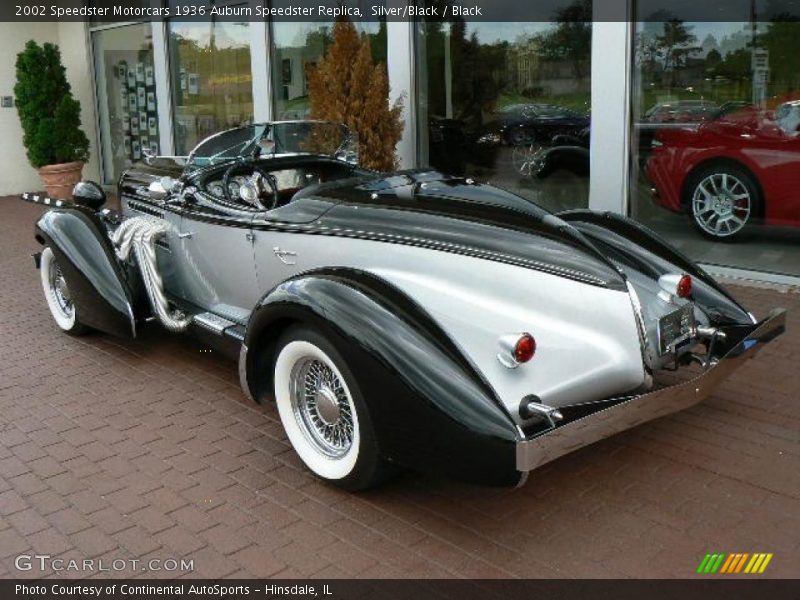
139 235
46 200
641 328
627 412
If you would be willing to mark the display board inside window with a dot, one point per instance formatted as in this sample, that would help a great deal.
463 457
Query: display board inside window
137 92
127 98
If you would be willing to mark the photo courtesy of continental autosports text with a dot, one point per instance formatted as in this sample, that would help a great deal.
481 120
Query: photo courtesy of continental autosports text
399 298
184 589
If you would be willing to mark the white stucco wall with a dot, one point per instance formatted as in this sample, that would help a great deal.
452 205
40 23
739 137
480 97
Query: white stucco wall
16 175
73 40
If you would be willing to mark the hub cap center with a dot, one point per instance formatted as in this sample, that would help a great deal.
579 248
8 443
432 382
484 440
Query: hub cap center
723 205
327 405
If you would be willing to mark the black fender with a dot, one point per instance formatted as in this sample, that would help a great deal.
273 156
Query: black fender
431 409
97 283
640 247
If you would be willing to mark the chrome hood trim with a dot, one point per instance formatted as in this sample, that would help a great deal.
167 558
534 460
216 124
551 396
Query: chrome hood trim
630 411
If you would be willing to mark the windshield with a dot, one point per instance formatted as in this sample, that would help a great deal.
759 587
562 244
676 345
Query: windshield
281 138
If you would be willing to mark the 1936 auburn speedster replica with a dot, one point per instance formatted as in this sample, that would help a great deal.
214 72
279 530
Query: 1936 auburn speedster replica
412 319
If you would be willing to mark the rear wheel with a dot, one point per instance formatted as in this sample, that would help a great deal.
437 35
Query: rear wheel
723 201
56 292
323 411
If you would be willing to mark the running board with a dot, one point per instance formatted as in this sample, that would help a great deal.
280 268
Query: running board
222 334
213 322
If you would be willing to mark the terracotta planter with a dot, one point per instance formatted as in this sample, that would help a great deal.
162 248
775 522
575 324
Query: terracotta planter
60 179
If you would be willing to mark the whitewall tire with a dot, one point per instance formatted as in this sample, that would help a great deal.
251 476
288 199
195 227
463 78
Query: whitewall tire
322 411
57 295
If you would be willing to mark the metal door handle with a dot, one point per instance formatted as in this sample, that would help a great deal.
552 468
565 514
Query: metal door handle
186 235
285 255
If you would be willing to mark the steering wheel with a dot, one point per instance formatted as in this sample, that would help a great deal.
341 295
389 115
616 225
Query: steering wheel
255 187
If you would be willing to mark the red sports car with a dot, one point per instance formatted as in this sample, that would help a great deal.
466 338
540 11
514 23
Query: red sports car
728 172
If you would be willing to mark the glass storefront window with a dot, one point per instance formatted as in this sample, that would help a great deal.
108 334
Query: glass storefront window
126 96
716 117
211 78
509 103
297 48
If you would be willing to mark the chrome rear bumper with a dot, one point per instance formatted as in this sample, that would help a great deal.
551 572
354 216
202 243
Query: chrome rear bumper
631 411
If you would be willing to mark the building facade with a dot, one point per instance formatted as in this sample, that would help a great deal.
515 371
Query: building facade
685 126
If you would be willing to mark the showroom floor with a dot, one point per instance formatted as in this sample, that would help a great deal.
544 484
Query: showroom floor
147 449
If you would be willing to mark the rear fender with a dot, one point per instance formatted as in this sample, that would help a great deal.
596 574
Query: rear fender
95 278
431 410
643 249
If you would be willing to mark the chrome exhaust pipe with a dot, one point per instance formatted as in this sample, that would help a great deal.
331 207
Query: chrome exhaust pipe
139 235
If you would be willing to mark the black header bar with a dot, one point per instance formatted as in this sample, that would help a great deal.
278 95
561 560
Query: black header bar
114 11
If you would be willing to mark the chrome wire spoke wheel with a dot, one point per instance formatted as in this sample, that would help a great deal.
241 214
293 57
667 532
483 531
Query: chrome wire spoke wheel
56 292
525 159
322 406
317 409
721 204
60 292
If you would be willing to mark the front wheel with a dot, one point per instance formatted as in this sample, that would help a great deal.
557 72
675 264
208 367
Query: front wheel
723 201
56 292
323 411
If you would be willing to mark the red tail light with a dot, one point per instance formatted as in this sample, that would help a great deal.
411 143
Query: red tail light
684 287
525 348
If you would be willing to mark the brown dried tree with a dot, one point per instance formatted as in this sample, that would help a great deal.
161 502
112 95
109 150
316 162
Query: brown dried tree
346 86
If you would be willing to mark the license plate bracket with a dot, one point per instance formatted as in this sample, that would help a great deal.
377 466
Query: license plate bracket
675 328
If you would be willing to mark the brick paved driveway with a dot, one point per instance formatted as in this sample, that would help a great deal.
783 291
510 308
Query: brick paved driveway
147 449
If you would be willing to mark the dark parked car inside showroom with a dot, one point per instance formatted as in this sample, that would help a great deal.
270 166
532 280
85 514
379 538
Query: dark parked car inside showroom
521 124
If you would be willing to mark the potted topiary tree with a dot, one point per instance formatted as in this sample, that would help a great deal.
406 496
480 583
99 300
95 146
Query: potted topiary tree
51 119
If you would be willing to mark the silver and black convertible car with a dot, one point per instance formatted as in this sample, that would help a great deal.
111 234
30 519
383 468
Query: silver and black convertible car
411 319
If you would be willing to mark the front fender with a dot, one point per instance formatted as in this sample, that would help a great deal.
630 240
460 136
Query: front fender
103 299
431 410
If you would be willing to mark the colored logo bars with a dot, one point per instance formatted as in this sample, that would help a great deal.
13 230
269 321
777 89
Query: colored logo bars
734 563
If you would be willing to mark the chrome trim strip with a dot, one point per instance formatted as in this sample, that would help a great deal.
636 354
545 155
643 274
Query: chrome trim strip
634 410
641 327
313 229
457 249
144 208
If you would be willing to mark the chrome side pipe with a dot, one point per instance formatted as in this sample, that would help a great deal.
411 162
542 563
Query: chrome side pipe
139 235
